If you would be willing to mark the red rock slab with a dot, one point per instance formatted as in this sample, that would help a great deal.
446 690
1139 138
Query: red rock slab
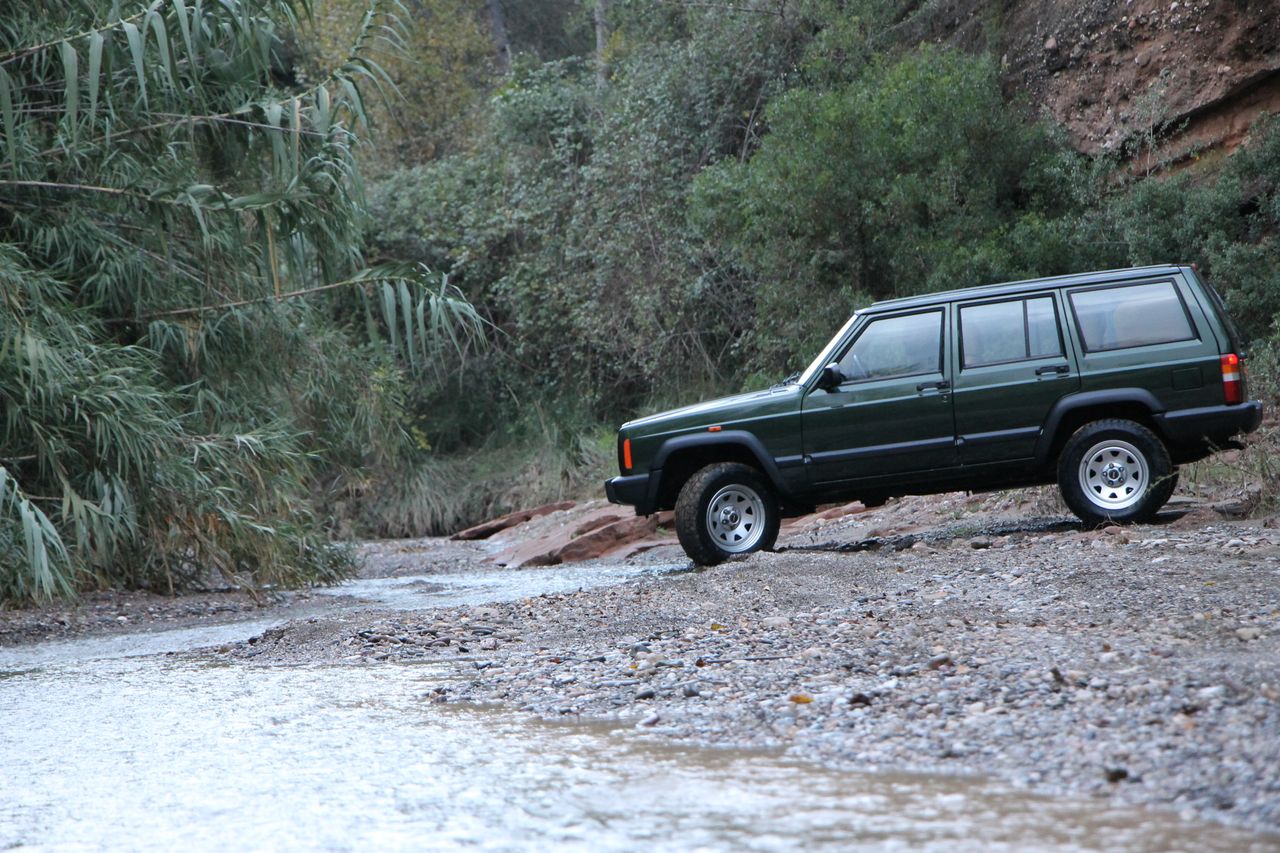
648 544
791 525
564 547
485 529
596 520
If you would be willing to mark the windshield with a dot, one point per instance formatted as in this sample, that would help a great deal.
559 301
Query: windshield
828 352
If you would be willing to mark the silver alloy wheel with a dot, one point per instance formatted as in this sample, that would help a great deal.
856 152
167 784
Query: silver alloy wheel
1114 475
736 518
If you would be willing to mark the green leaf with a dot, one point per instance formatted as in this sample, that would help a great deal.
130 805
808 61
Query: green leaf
274 112
6 113
184 25
406 316
354 101
137 47
95 72
322 110
389 313
71 75
162 44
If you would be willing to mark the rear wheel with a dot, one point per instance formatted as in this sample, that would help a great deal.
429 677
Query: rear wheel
726 509
1115 470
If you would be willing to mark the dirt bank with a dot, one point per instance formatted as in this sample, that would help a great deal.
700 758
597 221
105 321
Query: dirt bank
1140 665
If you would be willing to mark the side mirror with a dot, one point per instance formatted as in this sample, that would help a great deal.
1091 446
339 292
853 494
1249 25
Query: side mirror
831 377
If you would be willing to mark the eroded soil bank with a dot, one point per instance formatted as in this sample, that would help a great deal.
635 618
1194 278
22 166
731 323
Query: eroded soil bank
1138 665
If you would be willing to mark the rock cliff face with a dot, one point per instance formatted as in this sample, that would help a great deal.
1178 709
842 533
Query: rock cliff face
1110 71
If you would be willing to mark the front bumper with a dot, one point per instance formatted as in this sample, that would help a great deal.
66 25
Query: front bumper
1214 424
635 490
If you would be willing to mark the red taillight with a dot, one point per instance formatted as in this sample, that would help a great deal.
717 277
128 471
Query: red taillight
626 454
1232 378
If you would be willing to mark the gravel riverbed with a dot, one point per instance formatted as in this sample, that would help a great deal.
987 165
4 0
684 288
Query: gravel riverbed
1140 664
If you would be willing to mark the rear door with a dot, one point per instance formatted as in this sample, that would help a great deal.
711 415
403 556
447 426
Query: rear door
1148 334
1012 364
892 414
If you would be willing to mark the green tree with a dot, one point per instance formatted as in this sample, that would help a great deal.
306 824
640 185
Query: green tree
868 188
180 264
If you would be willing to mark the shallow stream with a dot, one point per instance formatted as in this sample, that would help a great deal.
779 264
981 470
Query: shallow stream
104 743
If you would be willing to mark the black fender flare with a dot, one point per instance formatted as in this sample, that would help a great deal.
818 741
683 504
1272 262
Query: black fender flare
733 437
1088 399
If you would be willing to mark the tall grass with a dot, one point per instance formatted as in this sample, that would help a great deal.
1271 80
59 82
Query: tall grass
444 494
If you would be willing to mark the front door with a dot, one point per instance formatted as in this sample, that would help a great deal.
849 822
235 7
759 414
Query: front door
892 413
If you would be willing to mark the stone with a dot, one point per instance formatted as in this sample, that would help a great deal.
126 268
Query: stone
774 622
645 693
1247 634
485 529
565 547
939 660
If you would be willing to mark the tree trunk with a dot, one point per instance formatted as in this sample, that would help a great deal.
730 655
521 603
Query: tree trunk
601 16
498 29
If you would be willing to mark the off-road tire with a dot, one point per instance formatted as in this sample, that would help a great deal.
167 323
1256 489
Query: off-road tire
1115 471
725 482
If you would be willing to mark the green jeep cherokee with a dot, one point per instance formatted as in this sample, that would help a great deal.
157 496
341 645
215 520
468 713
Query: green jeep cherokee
1103 382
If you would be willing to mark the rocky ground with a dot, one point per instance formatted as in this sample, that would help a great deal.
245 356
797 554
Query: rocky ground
1138 664
1111 72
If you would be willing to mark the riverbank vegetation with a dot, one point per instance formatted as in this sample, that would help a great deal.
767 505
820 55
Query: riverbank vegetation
274 274
196 363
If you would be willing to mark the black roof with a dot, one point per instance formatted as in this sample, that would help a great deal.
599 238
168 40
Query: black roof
1031 284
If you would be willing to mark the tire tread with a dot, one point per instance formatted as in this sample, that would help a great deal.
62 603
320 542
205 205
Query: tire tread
697 490
1164 475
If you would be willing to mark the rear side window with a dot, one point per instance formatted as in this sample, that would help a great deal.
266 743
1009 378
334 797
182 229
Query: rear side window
896 346
1135 315
1001 332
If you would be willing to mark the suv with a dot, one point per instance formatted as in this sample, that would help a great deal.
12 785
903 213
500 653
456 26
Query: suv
1103 382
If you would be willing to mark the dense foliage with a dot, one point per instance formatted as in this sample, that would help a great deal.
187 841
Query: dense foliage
194 361
646 202
752 172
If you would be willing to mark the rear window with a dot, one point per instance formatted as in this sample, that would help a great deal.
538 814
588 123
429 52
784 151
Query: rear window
1135 315
1000 332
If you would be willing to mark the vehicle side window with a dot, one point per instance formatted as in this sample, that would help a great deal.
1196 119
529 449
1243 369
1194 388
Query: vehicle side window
1001 332
896 346
1131 316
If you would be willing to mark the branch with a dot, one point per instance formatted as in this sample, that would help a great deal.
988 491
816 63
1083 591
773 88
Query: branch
15 55
182 312
727 7
82 187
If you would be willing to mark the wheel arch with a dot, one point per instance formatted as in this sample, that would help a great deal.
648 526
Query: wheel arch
1071 413
680 457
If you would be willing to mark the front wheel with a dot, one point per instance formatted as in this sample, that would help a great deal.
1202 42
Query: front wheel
1115 470
726 509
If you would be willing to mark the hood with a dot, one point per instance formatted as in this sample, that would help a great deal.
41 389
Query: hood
711 410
